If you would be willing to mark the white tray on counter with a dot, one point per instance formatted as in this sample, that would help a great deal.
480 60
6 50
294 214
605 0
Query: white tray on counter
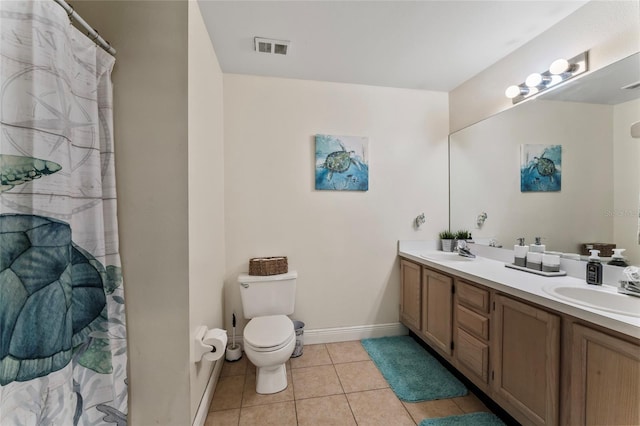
534 271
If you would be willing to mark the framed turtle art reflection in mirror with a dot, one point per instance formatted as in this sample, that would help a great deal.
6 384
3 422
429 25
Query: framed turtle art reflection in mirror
540 168
341 163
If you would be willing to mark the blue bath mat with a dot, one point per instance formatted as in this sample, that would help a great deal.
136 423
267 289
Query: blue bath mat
473 419
413 374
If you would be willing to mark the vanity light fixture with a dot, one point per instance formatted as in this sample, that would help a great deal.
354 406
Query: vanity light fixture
561 66
514 91
559 71
536 79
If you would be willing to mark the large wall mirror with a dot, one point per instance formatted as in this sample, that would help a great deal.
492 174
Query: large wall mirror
591 195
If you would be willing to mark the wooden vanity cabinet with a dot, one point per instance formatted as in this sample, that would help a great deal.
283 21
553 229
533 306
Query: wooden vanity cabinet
410 294
471 332
604 374
437 297
426 303
510 349
526 361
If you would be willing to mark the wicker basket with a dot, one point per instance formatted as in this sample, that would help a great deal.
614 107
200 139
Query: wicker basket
606 250
268 265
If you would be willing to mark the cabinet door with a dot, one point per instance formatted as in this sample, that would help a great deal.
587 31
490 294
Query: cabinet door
526 359
437 309
605 379
410 291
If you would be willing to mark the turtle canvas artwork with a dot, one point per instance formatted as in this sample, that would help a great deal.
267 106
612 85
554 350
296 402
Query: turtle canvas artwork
540 168
342 163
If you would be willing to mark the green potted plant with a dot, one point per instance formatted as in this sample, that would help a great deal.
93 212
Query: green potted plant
463 235
447 237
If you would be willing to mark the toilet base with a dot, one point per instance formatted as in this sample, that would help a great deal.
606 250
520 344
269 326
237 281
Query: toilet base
271 379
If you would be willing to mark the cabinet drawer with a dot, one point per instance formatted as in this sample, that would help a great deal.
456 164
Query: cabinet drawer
473 354
435 274
473 323
473 296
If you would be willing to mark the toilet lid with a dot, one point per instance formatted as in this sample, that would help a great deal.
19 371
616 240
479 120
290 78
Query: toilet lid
268 331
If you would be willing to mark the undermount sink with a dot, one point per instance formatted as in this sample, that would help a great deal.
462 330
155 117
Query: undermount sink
444 256
603 298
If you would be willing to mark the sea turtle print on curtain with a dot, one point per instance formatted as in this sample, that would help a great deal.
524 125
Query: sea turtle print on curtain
63 352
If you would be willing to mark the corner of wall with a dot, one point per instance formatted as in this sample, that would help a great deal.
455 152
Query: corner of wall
206 198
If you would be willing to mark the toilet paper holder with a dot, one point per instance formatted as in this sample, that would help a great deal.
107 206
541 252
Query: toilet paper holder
200 348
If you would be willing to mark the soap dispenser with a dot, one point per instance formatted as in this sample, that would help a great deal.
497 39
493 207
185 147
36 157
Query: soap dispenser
537 247
617 259
594 268
520 253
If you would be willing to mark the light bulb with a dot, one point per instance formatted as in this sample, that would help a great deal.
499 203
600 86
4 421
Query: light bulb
555 79
533 80
559 66
513 91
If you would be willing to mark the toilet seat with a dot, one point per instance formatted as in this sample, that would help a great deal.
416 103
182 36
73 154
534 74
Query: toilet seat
268 333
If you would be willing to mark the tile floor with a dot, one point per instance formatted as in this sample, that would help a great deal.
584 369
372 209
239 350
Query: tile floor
330 384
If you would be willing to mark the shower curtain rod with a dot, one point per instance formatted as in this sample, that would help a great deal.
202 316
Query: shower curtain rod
91 33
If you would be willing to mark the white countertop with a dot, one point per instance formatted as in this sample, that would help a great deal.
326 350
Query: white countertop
493 274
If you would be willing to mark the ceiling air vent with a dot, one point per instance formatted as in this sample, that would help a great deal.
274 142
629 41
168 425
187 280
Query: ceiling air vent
267 45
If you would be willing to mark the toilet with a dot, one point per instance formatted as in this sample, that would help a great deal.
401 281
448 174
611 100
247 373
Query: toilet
269 337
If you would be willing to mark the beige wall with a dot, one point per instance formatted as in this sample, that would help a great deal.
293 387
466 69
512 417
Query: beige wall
610 30
150 116
343 244
626 178
206 193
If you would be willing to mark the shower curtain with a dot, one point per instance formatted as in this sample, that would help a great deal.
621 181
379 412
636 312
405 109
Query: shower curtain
62 317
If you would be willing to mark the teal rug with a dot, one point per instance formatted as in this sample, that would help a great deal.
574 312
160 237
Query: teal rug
473 419
413 374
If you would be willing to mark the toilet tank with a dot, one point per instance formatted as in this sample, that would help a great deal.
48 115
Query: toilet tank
268 295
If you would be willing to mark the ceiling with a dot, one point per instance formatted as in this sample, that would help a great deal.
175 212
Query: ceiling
429 45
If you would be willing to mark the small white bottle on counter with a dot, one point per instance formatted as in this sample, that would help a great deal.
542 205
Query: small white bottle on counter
537 247
520 253
550 263
534 261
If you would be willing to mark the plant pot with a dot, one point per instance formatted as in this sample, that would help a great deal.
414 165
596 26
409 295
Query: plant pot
447 245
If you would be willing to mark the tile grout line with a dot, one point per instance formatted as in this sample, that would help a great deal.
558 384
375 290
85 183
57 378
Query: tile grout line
347 398
389 386
293 391
244 385
406 409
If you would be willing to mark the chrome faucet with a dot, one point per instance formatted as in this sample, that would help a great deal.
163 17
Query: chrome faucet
631 285
463 249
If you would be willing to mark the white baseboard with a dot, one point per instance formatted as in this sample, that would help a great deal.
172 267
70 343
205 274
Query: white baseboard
359 332
345 334
205 402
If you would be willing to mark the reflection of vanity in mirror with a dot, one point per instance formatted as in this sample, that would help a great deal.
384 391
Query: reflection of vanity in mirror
599 173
